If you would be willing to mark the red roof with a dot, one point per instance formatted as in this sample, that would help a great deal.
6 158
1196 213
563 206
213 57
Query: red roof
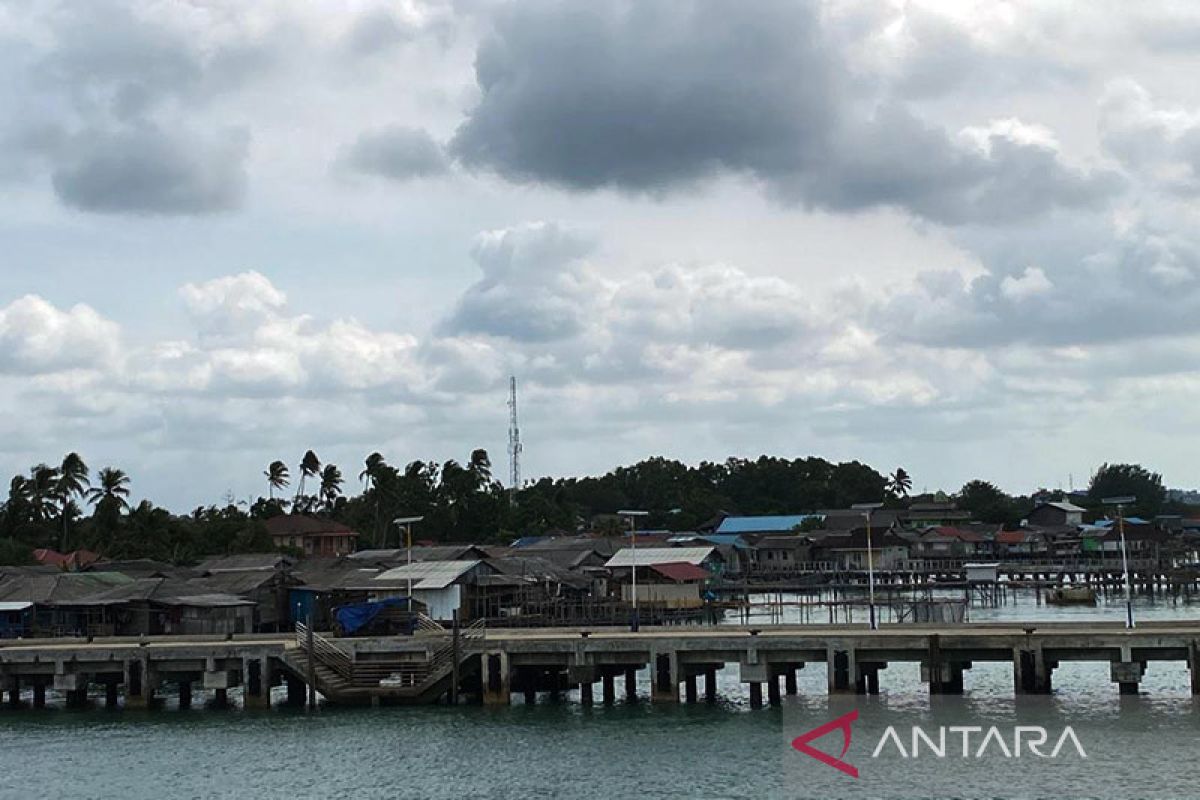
73 559
1011 537
681 571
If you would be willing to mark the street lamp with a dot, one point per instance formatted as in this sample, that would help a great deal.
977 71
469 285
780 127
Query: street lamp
406 523
867 509
633 516
1120 503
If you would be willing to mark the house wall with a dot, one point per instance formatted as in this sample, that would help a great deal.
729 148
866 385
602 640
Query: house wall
442 603
672 595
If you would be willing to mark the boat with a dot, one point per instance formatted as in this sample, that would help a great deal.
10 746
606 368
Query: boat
1071 596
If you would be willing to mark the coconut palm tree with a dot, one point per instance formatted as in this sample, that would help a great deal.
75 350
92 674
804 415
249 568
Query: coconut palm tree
73 482
310 465
110 496
112 489
899 482
374 464
43 492
331 485
277 477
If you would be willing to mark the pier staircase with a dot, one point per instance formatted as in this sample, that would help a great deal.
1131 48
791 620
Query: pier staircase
343 678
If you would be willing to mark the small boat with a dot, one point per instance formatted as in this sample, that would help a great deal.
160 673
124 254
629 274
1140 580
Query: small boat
1071 596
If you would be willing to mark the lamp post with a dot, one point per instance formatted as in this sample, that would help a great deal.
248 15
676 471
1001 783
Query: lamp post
867 509
1120 503
406 524
633 517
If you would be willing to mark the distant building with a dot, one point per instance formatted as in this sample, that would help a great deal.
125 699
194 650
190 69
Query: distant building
1054 514
312 536
765 524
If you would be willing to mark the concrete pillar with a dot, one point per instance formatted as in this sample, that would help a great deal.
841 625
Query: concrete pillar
139 691
840 667
664 685
77 698
789 680
527 679
710 685
112 693
773 689
689 684
256 682
185 695
220 698
756 695
13 684
39 694
873 682
295 690
630 684
935 664
1194 666
585 694
607 682
497 680
1032 674
1127 673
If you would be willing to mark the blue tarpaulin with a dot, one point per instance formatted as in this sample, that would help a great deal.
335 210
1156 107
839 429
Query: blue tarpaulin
358 615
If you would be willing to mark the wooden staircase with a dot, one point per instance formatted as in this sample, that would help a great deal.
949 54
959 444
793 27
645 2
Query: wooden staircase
341 678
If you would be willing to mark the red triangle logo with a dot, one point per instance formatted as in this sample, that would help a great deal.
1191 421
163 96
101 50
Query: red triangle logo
843 724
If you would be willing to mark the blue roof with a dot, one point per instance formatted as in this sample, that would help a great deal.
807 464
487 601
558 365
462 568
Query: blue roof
526 541
726 539
769 524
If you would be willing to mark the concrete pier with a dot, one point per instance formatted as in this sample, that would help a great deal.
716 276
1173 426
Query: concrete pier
555 660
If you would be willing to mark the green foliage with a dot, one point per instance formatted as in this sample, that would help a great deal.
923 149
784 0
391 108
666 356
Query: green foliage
462 501
1117 480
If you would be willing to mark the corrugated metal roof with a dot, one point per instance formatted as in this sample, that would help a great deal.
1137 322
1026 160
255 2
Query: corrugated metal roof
681 572
429 574
645 556
764 524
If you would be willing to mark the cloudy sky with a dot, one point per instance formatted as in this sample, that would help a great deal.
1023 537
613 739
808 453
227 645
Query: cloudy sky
956 237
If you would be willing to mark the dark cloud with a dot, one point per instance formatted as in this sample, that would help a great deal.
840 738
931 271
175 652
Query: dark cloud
650 98
146 171
396 153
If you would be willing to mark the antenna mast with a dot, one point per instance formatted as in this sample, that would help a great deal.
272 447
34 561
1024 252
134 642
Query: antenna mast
514 437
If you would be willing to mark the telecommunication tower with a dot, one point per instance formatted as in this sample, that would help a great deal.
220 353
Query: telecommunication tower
514 437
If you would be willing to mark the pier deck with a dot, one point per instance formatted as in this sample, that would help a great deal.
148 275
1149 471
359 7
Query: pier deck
492 664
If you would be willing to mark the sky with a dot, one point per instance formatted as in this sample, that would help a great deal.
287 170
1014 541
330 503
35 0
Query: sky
955 237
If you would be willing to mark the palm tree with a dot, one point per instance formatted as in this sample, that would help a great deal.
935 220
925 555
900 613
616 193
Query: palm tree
43 491
331 485
899 482
110 497
72 483
310 465
370 478
112 491
277 477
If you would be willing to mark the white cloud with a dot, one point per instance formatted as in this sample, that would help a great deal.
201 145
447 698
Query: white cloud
36 338
1032 281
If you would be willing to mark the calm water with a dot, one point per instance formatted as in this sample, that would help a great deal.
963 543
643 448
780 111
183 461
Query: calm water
1148 746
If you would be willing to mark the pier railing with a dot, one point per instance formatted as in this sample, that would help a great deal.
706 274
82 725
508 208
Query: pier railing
348 673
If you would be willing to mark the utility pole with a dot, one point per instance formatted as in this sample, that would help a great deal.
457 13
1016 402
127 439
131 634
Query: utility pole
1120 503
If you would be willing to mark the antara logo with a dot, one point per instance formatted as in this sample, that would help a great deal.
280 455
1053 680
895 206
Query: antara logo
976 742
843 724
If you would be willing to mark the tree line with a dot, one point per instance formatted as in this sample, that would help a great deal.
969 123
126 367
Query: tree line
65 506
